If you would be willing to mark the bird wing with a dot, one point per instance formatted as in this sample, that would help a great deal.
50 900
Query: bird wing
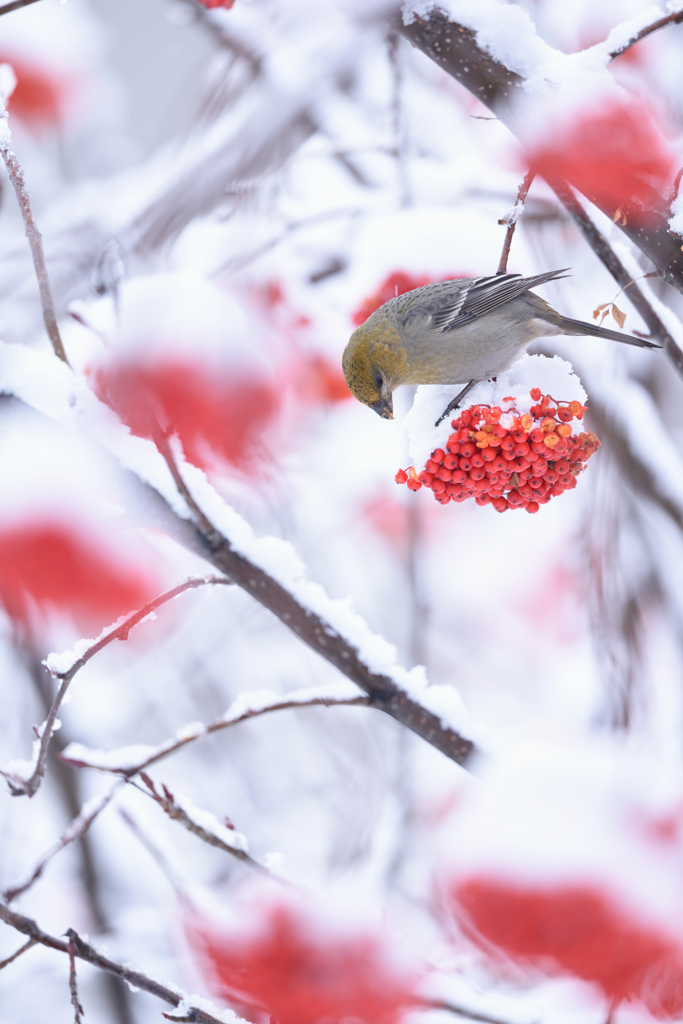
474 297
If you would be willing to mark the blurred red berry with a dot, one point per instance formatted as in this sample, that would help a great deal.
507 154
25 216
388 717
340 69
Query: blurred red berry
218 414
616 155
39 96
304 974
580 930
51 567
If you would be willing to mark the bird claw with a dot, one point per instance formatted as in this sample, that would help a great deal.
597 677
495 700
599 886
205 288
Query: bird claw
452 405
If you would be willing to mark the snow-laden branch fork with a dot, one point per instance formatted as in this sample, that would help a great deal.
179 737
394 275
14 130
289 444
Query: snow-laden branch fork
85 951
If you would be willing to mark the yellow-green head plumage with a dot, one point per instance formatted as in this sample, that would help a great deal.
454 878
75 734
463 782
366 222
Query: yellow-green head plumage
374 357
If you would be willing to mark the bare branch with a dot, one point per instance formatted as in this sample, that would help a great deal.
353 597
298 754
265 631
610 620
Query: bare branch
28 787
511 218
15 956
15 5
171 746
84 951
35 241
669 19
73 987
75 830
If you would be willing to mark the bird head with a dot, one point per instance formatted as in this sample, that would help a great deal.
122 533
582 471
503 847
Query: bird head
373 363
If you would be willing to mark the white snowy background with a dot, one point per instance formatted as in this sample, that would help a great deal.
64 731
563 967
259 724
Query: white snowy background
241 181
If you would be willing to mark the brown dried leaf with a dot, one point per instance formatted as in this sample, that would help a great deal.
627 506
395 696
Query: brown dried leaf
618 315
596 311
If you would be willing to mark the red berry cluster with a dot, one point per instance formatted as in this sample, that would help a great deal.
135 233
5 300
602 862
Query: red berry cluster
524 465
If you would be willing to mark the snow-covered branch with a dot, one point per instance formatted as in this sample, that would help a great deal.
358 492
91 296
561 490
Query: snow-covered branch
170 994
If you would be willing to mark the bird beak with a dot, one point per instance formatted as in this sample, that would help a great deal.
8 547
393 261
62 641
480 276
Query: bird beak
384 408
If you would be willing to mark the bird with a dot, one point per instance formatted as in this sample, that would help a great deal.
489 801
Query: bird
455 332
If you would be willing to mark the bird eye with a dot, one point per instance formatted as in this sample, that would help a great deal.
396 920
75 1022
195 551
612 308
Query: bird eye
378 381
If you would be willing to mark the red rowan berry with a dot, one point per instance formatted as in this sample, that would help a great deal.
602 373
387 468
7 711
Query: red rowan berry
401 476
438 455
477 474
468 449
477 460
536 436
444 474
500 504
458 476
562 466
535 393
519 435
414 485
488 455
425 478
551 440
532 506
431 466
465 464
451 462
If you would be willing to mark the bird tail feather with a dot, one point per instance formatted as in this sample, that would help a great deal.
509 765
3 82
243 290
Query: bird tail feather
569 326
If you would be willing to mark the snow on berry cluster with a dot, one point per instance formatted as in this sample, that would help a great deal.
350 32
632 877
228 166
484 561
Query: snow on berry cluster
505 459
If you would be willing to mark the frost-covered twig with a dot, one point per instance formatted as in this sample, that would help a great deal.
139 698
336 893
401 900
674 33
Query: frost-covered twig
28 786
35 241
84 951
210 831
511 218
73 986
242 709
76 829
670 19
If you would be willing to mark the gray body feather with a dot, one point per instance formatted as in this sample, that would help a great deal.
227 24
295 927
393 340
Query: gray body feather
474 328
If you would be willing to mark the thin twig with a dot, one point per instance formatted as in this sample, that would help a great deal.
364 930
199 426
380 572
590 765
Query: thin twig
511 218
35 241
171 746
75 830
173 809
73 987
28 787
84 951
15 5
15 956
208 530
669 19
